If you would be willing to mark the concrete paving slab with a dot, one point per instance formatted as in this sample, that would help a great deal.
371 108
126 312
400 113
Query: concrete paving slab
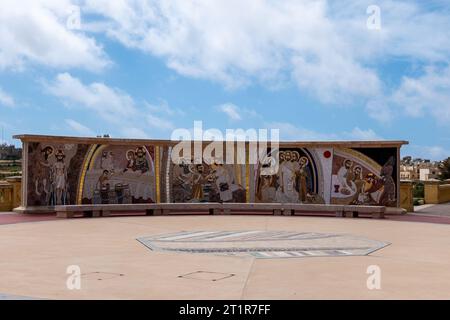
442 209
35 258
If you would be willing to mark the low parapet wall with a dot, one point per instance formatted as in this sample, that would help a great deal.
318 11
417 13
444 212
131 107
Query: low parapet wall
97 171
437 192
406 196
10 193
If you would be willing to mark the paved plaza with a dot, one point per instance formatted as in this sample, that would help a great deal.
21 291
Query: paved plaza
117 260
439 210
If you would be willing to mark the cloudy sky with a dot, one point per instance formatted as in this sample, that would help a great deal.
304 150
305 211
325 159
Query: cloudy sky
317 70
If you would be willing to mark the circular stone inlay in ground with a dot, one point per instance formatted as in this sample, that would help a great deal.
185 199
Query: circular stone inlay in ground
263 244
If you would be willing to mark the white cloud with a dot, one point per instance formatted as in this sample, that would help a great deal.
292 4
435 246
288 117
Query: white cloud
426 152
115 108
323 46
135 133
411 29
79 128
35 31
164 108
6 99
361 134
290 131
111 104
221 41
159 122
380 110
426 94
232 111
236 113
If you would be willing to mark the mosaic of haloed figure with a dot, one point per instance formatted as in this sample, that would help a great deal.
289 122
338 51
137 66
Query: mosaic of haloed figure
362 181
214 182
294 182
119 175
49 172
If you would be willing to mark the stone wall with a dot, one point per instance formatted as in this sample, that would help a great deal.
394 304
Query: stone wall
406 196
10 193
437 192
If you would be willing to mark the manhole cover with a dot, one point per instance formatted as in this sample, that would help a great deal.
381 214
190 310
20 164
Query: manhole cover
263 244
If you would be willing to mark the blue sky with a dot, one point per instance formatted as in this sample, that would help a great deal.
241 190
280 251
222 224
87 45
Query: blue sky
313 69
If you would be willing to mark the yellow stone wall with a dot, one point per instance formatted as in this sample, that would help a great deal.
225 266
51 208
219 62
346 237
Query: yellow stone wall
406 196
436 192
10 193
444 193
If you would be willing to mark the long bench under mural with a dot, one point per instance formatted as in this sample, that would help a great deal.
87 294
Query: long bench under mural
100 176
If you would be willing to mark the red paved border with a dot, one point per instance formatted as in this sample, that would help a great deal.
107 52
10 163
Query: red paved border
420 218
12 218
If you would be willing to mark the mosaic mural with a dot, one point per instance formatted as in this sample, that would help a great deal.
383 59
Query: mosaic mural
295 182
53 172
204 182
359 180
119 175
62 174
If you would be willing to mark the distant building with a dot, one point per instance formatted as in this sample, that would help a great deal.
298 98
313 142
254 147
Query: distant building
419 169
10 152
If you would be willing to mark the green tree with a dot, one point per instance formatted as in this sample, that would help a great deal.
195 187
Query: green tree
445 169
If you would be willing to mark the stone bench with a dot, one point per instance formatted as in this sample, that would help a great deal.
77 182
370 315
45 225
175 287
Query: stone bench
351 211
105 210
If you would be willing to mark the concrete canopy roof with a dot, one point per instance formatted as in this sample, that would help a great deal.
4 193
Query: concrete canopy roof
120 141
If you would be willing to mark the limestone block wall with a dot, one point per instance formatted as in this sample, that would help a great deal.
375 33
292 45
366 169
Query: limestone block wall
436 192
406 196
10 193
6 194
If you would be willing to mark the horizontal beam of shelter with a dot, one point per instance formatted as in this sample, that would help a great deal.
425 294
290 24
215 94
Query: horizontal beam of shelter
120 141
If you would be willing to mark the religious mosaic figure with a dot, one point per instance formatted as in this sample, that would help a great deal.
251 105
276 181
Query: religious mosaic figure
266 191
381 190
49 173
107 161
361 181
344 177
389 196
44 185
287 180
60 177
292 183
224 183
302 179
197 183
214 182
131 160
141 163
120 176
